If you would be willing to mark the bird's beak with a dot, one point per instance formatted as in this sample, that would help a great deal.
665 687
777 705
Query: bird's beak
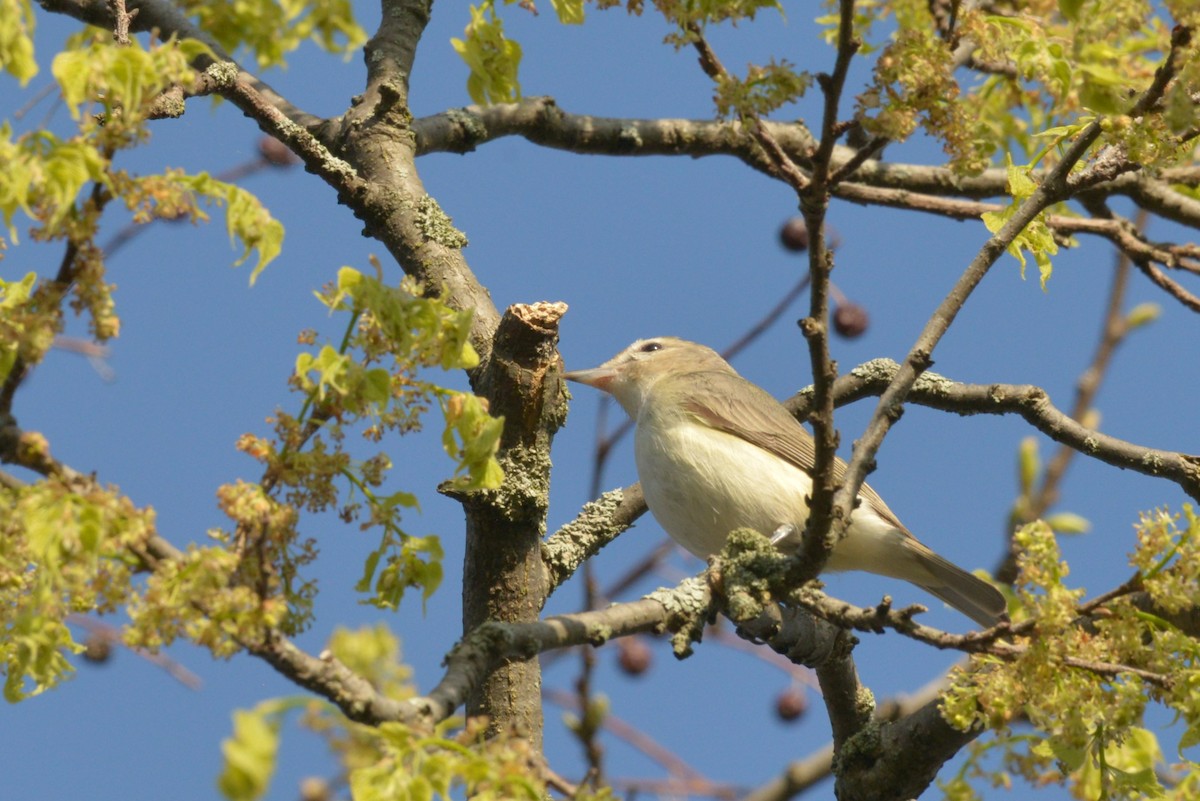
598 377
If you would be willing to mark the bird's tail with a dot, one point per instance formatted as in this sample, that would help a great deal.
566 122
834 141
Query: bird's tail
969 594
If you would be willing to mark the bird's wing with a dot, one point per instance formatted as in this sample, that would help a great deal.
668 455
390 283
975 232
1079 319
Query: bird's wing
720 400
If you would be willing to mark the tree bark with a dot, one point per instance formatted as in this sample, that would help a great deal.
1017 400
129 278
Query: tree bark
503 575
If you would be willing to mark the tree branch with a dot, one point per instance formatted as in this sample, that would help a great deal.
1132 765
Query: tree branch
504 576
1057 186
541 121
166 18
1031 403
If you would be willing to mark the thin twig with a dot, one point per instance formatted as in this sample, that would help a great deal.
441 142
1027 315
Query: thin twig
672 762
1113 330
1055 187
111 636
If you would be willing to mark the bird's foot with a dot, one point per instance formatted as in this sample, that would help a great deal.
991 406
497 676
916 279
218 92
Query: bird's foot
785 534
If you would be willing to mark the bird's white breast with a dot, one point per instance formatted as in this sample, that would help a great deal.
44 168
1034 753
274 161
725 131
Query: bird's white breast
701 483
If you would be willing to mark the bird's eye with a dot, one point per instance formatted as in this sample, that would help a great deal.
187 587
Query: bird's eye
650 347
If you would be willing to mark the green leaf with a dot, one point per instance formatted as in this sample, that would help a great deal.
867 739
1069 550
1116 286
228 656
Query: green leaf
1122 769
122 78
331 368
369 567
1019 179
764 89
1069 523
34 651
250 753
13 295
249 756
472 438
1036 236
1142 314
570 12
272 30
1070 8
1180 114
1190 738
376 386
16 39
16 293
493 59
408 562
246 219
1029 463
1101 95
66 168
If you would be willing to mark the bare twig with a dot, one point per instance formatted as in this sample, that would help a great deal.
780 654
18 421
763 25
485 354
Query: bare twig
878 618
671 762
110 635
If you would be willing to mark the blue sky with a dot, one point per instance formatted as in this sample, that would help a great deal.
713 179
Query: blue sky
636 247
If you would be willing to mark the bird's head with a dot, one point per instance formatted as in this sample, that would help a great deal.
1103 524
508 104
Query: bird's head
631 374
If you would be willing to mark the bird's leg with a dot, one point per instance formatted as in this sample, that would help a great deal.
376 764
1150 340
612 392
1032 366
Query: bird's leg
786 534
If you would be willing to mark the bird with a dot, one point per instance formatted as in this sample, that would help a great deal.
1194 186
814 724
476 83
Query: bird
715 452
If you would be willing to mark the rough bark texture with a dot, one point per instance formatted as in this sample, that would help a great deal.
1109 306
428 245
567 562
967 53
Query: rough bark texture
503 575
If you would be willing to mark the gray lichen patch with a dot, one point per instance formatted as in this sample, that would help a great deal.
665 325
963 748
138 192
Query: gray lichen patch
437 226
591 530
222 73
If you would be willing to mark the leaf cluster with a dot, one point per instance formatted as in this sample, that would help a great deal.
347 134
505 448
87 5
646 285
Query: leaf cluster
1084 687
63 551
372 378
272 30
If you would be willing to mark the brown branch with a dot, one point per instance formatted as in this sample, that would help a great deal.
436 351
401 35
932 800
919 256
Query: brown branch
1054 188
371 176
813 193
878 618
852 164
818 766
122 19
109 635
596 525
797 777
504 575
824 528
1160 279
1030 402
541 121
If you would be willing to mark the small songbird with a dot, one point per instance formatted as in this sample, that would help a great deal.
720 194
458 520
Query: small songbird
715 452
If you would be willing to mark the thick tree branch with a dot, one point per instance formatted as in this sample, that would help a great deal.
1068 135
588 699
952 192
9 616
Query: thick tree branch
504 576
596 525
919 187
374 136
804 773
475 657
879 764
